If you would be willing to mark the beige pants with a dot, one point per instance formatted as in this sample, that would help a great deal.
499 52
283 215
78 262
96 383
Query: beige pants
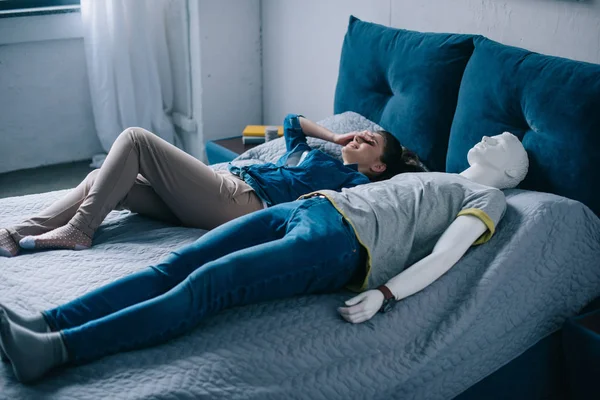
147 175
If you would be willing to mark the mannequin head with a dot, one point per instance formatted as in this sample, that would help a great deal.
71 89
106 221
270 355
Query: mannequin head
499 161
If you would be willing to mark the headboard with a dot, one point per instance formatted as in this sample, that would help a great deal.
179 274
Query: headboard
405 81
552 104
440 93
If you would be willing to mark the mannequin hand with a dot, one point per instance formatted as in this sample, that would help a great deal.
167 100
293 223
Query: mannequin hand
362 307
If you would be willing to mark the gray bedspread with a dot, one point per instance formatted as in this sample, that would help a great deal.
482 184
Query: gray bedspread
542 266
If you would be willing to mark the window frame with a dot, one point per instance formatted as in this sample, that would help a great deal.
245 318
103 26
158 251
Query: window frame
30 5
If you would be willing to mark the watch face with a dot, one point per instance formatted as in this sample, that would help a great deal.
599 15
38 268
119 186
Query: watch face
387 305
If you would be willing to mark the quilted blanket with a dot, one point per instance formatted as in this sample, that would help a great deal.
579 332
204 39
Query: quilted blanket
541 266
501 298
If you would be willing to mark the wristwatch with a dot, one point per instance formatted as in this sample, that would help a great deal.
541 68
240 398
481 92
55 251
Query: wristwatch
389 300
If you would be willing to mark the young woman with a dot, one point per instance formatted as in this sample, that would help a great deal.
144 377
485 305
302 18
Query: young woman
362 238
149 176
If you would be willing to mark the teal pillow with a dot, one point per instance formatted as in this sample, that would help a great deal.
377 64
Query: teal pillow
552 104
405 81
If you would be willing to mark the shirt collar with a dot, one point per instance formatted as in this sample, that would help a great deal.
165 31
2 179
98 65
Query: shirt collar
352 166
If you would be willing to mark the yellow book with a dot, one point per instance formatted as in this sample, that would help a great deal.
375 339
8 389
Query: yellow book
259 130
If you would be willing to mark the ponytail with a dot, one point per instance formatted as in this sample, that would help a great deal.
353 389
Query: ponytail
397 159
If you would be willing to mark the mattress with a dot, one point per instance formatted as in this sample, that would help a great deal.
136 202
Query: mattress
539 268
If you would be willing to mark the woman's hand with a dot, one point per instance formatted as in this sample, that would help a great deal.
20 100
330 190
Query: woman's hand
362 307
345 138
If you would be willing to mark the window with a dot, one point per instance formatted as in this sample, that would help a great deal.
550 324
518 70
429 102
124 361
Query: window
28 4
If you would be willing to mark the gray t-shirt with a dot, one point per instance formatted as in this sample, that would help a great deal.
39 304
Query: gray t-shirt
400 220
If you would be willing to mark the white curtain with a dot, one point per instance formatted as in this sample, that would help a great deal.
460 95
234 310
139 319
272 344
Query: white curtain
129 69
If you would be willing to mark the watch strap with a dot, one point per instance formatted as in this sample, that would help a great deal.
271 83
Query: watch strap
387 293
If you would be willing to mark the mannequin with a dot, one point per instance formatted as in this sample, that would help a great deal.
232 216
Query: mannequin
499 161
318 244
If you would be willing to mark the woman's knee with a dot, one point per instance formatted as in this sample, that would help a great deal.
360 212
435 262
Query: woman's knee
92 175
175 268
133 134
90 179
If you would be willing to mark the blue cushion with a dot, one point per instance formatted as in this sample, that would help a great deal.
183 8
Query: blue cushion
405 81
552 104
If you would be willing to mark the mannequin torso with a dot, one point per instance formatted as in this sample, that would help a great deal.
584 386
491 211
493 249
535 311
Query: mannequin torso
496 162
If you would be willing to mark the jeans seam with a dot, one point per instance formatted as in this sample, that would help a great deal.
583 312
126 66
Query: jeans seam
295 272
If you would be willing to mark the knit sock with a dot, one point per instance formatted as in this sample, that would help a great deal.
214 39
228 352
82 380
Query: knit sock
36 323
32 354
8 246
65 237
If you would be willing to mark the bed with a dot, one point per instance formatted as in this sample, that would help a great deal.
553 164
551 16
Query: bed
500 307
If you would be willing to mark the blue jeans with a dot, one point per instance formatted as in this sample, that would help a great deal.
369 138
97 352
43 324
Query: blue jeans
291 249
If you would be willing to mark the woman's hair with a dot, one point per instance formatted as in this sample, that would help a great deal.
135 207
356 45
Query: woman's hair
396 158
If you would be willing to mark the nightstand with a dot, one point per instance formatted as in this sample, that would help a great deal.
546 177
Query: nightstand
581 346
225 150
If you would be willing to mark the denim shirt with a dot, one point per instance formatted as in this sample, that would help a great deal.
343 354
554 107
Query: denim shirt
287 179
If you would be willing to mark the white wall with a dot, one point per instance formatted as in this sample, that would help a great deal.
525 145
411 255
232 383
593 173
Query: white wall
226 69
45 107
556 27
302 39
302 43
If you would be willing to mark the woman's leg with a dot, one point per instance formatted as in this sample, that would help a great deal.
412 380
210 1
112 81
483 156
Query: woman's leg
195 194
184 183
141 199
250 230
319 253
8 246
55 216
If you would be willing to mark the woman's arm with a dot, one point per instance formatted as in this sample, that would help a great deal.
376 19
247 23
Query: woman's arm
451 246
317 131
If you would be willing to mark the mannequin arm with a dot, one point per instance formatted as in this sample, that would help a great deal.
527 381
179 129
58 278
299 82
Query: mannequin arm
451 246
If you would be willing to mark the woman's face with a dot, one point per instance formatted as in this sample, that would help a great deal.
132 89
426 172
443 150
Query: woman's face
365 153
